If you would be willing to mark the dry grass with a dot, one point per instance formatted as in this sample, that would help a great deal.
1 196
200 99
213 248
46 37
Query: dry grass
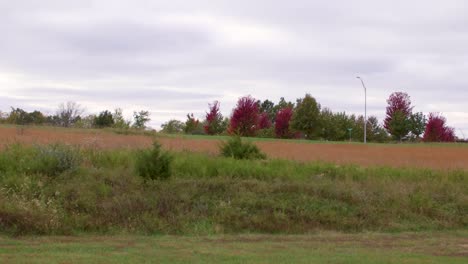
420 156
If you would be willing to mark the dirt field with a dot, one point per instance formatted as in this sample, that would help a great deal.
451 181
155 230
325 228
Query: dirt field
421 156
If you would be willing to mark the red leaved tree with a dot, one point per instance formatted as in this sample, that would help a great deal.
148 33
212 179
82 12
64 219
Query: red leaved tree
214 120
264 121
437 130
283 118
397 120
244 119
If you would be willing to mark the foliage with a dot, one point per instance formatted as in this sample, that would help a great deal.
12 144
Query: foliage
85 122
238 149
153 164
140 119
193 126
57 158
306 117
282 123
50 160
119 120
264 121
104 119
244 119
417 124
20 117
399 125
334 126
437 130
375 132
173 126
214 120
397 121
67 114
269 108
266 133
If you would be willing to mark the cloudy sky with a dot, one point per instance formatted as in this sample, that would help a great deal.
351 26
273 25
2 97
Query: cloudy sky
175 57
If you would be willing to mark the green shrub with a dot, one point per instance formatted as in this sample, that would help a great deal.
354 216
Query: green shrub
153 164
49 160
237 149
266 133
55 159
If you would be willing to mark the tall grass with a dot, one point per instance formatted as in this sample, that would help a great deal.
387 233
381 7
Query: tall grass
207 194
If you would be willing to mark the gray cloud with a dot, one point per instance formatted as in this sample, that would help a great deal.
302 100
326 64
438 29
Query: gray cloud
175 57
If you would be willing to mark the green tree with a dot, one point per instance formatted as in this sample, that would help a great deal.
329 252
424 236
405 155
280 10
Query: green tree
282 104
85 122
334 126
119 120
398 113
268 107
173 127
37 118
399 125
19 117
104 119
68 114
306 117
417 124
140 119
193 126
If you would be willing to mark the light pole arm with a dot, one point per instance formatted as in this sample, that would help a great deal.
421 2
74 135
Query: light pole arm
365 109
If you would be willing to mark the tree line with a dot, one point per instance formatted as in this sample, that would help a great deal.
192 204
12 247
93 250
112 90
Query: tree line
305 118
70 114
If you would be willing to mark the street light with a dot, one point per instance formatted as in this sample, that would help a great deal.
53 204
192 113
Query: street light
365 109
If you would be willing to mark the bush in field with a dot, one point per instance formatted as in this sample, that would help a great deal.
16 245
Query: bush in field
50 160
266 133
55 159
437 130
237 149
153 164
283 118
244 120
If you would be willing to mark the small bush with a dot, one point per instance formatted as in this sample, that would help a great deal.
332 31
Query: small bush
237 149
49 160
55 159
153 164
266 133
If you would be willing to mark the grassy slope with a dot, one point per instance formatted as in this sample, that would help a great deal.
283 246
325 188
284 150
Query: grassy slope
213 195
449 247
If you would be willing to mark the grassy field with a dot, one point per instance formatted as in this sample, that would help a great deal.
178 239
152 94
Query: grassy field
425 156
87 203
328 247
59 189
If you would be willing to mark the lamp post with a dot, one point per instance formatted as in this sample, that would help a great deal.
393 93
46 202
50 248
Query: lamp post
365 109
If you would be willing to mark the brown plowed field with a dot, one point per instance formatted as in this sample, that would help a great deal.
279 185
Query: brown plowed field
421 156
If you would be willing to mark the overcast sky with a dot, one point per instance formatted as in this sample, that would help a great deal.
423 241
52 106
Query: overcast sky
175 57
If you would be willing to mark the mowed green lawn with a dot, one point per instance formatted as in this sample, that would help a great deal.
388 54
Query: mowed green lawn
326 247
